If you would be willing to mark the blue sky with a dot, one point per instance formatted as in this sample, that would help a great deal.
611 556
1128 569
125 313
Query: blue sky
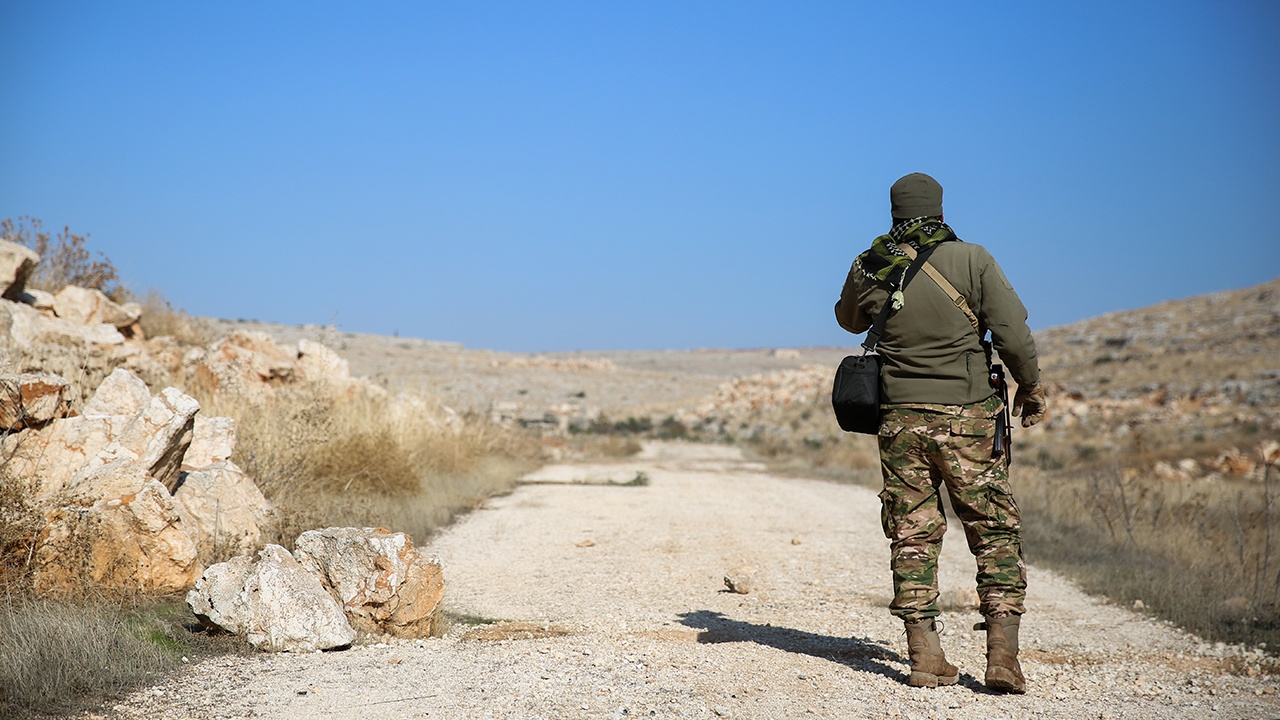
607 175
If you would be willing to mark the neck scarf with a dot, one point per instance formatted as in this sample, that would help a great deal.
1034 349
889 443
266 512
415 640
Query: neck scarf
887 263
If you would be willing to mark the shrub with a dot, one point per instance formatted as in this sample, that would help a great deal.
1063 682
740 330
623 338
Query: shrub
159 317
64 259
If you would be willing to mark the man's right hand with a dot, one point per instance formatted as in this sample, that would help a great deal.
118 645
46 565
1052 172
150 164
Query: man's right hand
1029 404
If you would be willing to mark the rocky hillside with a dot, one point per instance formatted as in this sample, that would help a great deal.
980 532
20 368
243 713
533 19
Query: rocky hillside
1194 379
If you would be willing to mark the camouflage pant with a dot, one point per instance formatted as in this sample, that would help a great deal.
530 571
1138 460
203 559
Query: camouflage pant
923 447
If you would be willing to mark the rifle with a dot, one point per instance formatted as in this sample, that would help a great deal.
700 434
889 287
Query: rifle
1003 446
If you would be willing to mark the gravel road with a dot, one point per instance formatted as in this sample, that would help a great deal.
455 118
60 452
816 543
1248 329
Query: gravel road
581 597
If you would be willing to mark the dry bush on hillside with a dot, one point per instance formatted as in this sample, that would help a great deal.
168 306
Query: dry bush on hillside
368 461
64 259
19 524
159 317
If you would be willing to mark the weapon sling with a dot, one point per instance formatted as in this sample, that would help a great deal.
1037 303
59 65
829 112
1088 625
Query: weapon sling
1003 445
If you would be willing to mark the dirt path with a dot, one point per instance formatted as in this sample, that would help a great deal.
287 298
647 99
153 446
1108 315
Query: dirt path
612 605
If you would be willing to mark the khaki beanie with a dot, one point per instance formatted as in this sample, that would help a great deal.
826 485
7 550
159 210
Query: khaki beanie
915 195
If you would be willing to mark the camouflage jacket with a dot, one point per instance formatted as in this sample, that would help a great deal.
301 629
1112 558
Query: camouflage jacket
931 353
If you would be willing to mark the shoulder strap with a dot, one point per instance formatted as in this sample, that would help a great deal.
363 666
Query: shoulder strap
956 298
917 260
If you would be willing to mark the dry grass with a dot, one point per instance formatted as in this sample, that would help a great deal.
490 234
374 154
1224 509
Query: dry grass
1202 554
19 523
58 657
369 461
159 317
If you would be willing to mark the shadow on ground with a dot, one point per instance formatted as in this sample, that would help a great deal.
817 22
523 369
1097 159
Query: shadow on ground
855 652
859 653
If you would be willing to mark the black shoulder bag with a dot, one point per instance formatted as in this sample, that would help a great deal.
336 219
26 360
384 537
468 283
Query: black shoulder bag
855 394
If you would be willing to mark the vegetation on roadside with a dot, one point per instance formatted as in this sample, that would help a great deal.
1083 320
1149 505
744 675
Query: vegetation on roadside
1204 555
322 460
59 657
328 461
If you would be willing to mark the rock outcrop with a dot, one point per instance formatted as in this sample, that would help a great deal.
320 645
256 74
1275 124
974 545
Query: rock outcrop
273 602
22 325
133 543
137 491
223 509
157 435
16 263
382 582
128 506
32 399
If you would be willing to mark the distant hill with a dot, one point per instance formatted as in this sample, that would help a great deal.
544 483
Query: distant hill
1222 342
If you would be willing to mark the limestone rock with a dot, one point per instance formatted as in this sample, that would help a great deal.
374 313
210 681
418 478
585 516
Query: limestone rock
740 579
213 440
318 362
86 306
52 455
32 399
161 434
121 393
16 263
134 543
382 582
24 326
273 602
246 363
41 300
114 471
223 509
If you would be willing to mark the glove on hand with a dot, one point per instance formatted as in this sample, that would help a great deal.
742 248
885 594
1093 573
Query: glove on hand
1029 404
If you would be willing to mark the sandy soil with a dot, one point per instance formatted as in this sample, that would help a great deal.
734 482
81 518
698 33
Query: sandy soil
583 598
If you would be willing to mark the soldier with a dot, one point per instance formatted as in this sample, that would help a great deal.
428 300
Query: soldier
938 423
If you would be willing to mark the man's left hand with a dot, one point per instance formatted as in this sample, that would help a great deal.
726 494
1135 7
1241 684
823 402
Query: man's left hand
1029 403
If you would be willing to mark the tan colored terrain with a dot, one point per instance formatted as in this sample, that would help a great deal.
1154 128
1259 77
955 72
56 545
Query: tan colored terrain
579 597
582 598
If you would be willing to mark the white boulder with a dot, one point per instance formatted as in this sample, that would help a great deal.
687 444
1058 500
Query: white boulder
161 433
121 393
87 306
382 582
273 602
213 440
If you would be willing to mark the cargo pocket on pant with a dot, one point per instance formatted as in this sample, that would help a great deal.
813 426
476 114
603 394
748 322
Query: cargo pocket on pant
888 520
1002 508
972 439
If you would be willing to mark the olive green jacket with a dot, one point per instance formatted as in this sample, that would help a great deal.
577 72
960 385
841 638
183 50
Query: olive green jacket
931 352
